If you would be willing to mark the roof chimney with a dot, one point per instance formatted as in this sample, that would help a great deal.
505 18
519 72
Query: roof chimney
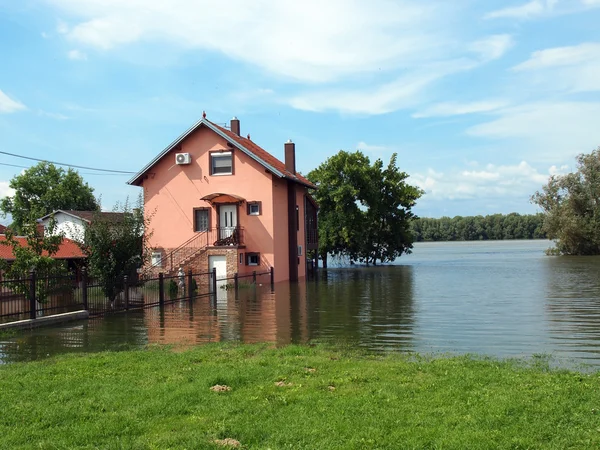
290 156
235 125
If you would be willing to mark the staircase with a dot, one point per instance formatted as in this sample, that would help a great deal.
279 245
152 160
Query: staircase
185 252
194 247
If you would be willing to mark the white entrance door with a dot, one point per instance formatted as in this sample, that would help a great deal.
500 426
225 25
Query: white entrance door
219 263
227 220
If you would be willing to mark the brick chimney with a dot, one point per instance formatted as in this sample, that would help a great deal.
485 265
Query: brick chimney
235 125
290 156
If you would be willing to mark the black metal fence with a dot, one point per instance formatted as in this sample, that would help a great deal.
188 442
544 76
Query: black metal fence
40 296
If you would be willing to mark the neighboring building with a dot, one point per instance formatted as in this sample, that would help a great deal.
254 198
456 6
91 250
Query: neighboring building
218 200
68 251
72 223
2 229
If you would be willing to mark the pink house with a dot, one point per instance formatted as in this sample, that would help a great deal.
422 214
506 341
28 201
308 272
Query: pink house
218 200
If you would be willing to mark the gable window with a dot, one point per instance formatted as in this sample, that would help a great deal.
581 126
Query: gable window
221 163
254 208
201 219
252 259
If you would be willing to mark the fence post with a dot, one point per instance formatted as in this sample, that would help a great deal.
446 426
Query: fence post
190 280
32 288
126 291
254 276
214 281
272 280
84 288
161 289
236 284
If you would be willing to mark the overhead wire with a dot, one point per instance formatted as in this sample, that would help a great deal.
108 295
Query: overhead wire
80 173
69 165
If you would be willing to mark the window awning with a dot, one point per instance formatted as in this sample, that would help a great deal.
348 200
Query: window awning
219 197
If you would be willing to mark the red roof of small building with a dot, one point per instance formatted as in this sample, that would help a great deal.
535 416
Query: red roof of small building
68 249
2 229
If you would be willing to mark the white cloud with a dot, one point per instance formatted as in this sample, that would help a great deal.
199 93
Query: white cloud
456 109
547 130
290 39
540 8
371 148
561 56
5 189
8 105
57 116
524 11
76 55
407 91
488 182
492 47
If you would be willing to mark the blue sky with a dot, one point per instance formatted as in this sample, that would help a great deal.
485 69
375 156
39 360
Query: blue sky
482 100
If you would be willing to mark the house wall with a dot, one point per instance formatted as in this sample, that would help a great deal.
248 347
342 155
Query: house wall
280 230
300 193
171 192
71 227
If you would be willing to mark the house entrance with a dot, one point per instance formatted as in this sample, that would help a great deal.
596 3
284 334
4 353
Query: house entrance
220 263
227 220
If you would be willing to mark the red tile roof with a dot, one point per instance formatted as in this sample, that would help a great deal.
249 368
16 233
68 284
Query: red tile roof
245 145
68 249
262 154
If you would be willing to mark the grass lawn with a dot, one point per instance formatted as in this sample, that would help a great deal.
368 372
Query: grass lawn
295 397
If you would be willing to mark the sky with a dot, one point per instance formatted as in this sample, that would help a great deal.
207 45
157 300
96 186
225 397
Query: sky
481 100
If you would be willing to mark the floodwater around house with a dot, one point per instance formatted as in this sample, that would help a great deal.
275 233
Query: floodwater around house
502 299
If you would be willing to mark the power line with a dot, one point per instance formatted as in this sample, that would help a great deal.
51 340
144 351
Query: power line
68 165
80 173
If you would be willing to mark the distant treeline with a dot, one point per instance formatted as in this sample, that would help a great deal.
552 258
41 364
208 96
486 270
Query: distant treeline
479 228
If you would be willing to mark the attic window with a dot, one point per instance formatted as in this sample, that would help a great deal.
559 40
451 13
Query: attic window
221 163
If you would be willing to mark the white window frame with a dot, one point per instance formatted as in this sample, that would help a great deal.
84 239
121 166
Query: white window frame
214 155
254 205
156 259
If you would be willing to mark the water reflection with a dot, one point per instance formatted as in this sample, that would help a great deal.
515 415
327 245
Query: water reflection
573 305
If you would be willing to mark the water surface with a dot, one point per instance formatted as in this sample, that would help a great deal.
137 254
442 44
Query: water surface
502 299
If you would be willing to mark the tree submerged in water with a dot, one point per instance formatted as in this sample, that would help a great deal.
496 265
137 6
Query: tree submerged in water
364 208
571 207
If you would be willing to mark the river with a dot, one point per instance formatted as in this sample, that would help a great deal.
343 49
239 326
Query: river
500 299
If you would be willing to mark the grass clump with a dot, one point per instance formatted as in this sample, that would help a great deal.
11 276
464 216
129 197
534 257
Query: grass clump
293 397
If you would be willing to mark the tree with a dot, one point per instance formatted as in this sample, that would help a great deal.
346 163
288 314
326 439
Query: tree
571 207
44 188
116 247
34 253
364 208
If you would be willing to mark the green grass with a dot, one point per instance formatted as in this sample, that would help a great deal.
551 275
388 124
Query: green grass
328 399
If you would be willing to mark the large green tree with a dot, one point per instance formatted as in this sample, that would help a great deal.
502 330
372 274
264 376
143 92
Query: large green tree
364 208
116 245
571 207
44 188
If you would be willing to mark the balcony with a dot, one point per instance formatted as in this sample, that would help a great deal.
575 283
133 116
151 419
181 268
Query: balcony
226 236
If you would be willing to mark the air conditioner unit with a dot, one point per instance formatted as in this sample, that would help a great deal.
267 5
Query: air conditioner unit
183 158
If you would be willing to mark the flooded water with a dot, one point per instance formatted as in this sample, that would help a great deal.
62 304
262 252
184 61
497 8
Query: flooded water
502 299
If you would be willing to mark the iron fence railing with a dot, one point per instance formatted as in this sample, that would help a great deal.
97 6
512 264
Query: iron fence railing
39 296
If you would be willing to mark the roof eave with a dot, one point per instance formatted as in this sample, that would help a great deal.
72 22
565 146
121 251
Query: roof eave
134 181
